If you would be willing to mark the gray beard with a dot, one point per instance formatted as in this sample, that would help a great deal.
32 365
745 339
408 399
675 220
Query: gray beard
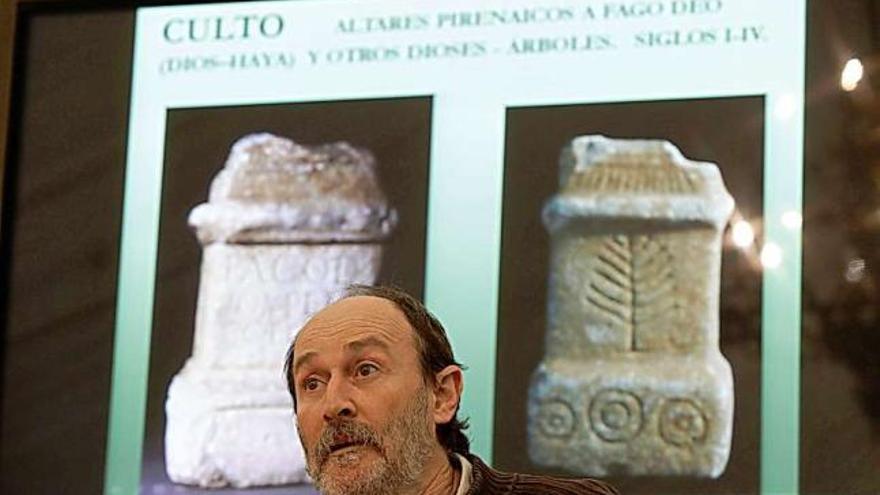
405 444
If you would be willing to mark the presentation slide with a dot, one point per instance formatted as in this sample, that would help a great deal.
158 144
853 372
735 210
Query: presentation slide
600 200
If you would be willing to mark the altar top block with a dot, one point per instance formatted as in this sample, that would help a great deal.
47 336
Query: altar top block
275 190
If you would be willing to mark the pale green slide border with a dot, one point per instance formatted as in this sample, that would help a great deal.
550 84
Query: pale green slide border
781 316
781 288
464 215
134 312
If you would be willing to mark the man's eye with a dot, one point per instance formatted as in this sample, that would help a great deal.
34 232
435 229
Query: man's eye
310 384
367 369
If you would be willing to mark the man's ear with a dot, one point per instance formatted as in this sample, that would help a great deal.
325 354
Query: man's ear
448 384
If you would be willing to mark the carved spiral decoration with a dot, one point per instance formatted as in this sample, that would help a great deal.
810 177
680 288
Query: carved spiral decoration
682 422
616 416
556 419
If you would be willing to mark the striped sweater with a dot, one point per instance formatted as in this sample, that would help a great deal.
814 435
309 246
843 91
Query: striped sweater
487 481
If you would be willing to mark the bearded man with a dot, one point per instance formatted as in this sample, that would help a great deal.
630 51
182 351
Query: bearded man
376 391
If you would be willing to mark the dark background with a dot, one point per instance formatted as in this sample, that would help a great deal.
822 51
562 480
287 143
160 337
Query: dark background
62 205
63 122
198 140
701 130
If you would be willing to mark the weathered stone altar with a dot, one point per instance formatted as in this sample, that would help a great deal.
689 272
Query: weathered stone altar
285 230
632 381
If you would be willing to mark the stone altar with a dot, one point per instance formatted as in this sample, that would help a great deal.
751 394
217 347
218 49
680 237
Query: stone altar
632 381
286 228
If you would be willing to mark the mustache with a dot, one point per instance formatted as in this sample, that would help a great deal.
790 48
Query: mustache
344 432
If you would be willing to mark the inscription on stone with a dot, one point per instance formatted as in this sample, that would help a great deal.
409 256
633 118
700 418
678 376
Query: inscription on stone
631 348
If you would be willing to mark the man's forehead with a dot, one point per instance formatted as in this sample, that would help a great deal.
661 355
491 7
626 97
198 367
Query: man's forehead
356 316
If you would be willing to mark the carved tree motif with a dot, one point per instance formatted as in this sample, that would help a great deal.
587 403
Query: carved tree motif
633 286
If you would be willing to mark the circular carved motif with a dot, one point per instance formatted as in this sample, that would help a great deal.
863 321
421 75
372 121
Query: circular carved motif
682 422
615 415
556 419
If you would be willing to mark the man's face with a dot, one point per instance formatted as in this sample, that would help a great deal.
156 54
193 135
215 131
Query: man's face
362 404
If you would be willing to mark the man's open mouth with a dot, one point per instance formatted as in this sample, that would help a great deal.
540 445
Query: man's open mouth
344 446
344 442
347 442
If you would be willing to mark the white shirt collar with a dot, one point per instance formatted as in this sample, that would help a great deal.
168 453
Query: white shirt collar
464 484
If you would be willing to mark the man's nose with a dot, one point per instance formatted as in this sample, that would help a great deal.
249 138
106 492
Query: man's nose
338 401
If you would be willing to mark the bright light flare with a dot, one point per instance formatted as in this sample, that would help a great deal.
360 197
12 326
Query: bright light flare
855 270
851 75
792 220
742 234
771 256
